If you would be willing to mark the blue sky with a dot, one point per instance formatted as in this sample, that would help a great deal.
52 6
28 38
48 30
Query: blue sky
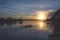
26 7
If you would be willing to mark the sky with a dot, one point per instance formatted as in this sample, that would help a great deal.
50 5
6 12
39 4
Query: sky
26 7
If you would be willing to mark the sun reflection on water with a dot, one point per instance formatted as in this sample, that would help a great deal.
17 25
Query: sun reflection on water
42 26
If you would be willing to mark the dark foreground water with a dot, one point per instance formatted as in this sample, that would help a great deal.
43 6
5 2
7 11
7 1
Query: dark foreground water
28 30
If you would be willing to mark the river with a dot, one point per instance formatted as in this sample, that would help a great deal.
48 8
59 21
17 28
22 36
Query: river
28 30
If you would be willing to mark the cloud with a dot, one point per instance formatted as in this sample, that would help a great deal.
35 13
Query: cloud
15 7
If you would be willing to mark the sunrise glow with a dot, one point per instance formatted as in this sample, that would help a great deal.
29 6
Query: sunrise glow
42 15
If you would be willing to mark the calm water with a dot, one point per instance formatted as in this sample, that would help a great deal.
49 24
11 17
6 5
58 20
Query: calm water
28 30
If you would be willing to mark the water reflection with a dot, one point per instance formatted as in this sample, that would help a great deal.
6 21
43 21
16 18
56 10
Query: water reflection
39 25
43 26
9 23
35 25
28 29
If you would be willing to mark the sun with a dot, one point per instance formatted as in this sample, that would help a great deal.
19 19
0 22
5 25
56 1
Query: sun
42 15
